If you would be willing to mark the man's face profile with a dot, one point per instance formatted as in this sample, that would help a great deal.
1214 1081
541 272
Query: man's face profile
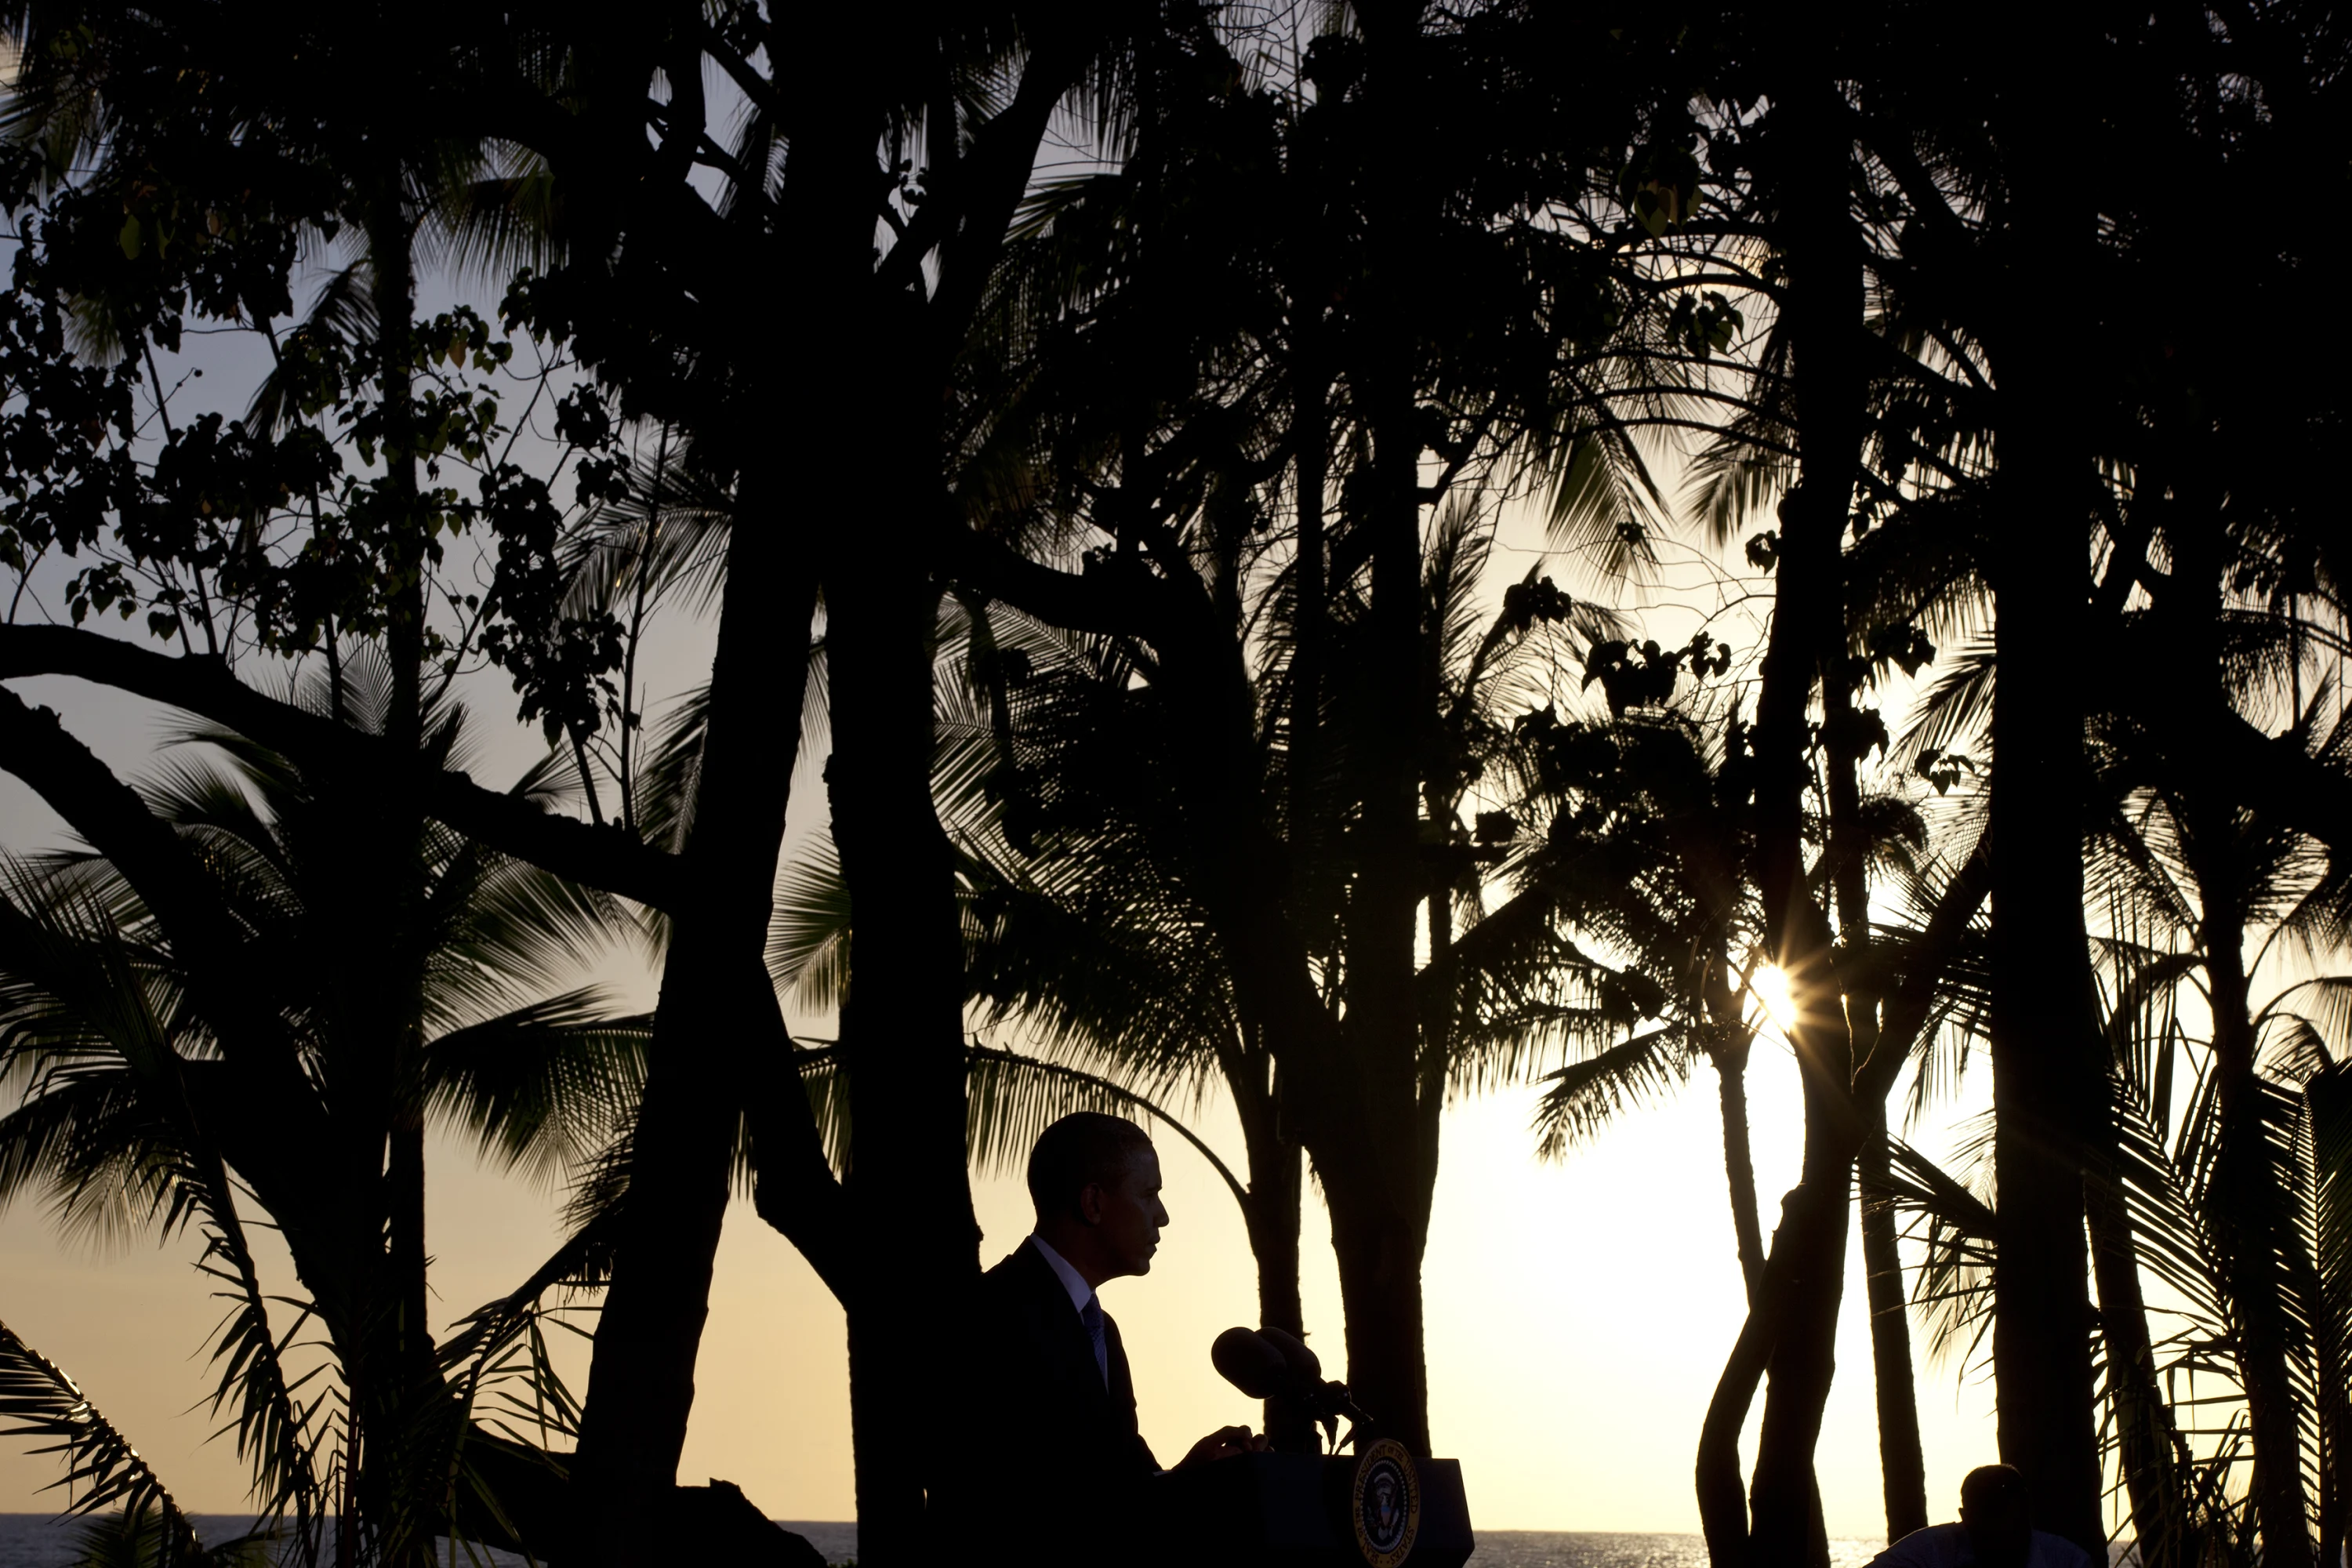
1126 1212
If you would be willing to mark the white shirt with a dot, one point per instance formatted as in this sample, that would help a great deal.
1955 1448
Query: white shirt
1946 1546
1072 1280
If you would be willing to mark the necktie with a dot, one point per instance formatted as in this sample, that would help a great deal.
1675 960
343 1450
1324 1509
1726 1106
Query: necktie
1091 1315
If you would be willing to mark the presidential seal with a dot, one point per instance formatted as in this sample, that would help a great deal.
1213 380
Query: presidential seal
1388 1503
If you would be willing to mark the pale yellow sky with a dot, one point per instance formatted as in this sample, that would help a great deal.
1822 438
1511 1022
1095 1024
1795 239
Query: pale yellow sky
1578 1315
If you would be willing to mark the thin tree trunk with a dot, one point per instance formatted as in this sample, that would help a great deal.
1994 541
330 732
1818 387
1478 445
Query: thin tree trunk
1825 320
1310 436
1272 1215
1722 1500
641 1378
1273 1246
2334 1421
1732 1044
1784 1500
1902 1463
393 832
1739 1165
2247 1197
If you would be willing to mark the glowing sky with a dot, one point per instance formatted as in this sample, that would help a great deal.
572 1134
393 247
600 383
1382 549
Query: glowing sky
1577 1317
1577 1313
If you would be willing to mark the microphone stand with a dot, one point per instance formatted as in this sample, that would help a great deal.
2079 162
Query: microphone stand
1324 1404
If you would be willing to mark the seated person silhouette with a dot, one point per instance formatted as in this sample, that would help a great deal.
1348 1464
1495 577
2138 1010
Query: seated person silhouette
1054 1405
1995 1530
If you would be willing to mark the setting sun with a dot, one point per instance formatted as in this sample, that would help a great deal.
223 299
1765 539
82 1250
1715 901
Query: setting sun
1770 989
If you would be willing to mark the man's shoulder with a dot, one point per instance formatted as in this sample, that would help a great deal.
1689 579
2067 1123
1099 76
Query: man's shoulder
1936 1546
1020 1266
2056 1552
1021 1283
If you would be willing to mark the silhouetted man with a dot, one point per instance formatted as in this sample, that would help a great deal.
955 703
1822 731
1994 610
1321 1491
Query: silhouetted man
1995 1530
1053 1420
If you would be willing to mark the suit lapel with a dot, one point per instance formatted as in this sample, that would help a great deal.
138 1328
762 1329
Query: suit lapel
1121 1391
1072 1345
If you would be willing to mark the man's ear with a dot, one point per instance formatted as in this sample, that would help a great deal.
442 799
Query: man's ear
1090 1202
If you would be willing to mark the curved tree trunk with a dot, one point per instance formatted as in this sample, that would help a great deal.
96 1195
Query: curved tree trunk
641 1378
1739 1165
1824 318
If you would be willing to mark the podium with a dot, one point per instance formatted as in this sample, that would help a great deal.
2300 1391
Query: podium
1380 1508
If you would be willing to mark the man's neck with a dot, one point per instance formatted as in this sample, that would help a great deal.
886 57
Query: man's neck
1075 1247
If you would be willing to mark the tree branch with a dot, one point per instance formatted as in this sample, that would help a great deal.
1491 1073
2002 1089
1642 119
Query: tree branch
165 869
605 857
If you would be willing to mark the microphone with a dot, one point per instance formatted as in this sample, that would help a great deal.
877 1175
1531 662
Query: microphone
1244 1358
1273 1364
1306 1366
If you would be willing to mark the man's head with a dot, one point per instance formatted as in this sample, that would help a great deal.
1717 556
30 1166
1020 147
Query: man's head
1095 1181
1998 1514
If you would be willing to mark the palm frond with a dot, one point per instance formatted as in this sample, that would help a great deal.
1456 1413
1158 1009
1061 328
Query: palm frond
543 1087
1585 1096
808 936
1011 1099
343 314
39 1400
1956 1219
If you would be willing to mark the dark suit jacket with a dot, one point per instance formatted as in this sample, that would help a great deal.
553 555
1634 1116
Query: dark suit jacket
1044 1438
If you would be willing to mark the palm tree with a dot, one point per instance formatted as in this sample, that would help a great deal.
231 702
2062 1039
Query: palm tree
143 1107
1246 503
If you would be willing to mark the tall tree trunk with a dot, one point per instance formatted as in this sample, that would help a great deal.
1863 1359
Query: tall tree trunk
903 1028
1825 320
1368 1136
1902 1475
408 1388
2040 1010
2043 1015
2041 1007
2250 1195
641 1378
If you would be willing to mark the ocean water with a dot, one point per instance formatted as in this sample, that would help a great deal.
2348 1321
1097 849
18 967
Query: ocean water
38 1541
